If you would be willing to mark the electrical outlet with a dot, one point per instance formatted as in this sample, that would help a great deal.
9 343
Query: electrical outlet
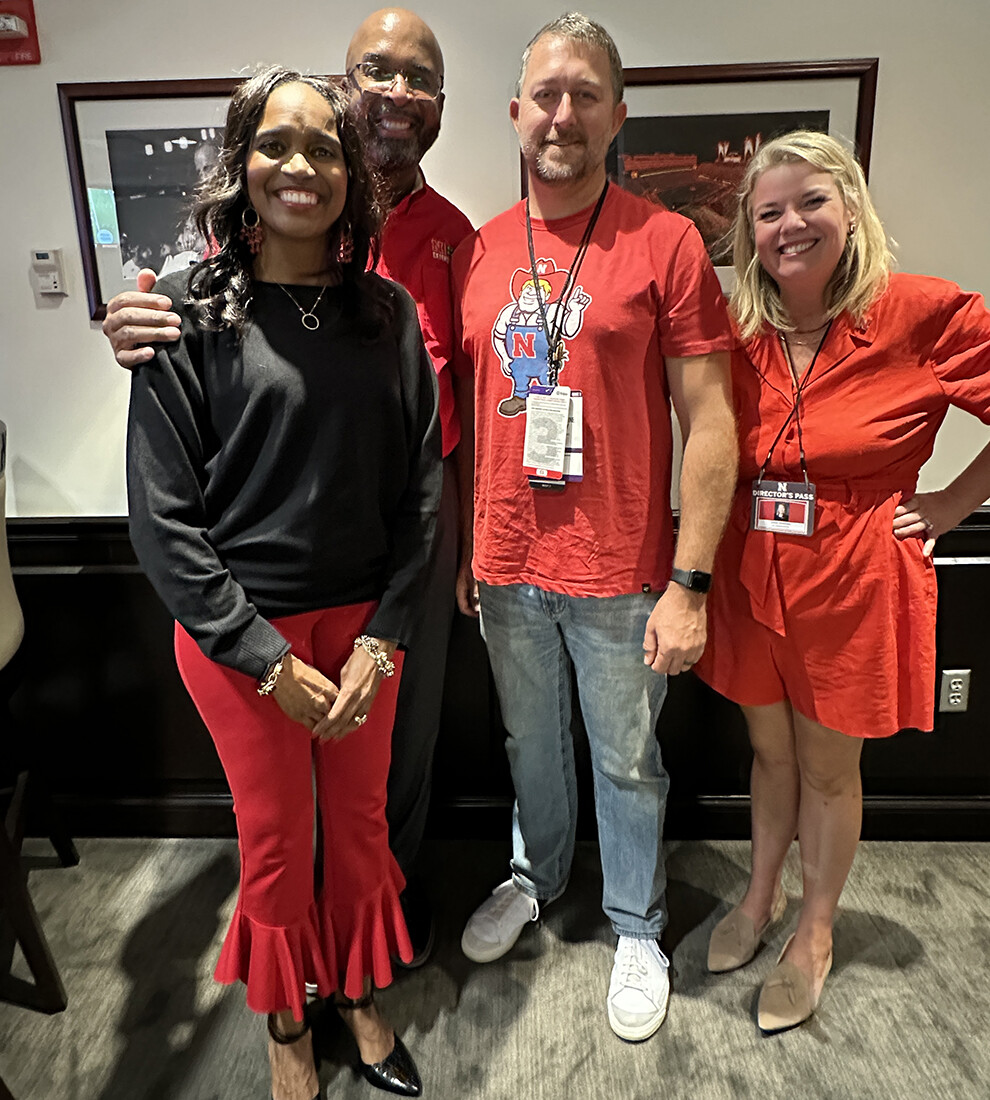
954 693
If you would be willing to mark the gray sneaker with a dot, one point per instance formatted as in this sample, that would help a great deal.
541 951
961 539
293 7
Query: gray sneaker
495 925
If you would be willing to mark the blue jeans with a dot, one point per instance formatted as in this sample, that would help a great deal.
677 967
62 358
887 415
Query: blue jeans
534 638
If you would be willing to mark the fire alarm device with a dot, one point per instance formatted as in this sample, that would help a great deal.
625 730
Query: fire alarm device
13 26
18 33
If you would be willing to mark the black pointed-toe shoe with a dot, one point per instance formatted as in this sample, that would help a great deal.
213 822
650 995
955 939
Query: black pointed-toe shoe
396 1073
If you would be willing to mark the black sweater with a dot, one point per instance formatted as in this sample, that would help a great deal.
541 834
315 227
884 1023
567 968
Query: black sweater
294 471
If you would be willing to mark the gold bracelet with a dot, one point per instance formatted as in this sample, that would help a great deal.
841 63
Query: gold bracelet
370 645
269 680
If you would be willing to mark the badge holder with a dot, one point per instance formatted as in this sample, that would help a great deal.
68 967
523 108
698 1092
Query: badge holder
787 507
552 447
553 451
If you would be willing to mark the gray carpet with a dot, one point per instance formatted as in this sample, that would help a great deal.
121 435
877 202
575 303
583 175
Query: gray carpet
136 927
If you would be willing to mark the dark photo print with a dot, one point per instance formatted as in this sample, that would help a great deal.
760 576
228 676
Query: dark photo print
693 164
155 174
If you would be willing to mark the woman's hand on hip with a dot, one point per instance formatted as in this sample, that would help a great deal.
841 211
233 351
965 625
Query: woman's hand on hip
303 692
359 683
925 516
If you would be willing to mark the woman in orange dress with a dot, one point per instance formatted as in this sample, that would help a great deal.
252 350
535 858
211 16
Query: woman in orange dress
822 620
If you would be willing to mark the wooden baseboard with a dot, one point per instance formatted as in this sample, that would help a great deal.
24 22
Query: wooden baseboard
709 817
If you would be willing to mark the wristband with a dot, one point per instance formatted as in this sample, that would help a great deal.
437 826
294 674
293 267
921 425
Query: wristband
692 579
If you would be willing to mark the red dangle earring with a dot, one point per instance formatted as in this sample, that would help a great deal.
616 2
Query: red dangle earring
345 249
252 231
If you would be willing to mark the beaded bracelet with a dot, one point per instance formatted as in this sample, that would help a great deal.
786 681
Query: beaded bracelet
370 645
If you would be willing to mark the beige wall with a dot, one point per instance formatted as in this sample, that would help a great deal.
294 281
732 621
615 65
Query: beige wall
65 403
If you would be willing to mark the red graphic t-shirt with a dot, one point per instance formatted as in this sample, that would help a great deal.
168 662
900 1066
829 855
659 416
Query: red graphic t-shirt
645 290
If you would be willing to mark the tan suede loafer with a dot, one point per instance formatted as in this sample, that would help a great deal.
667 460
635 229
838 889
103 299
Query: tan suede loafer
787 997
735 939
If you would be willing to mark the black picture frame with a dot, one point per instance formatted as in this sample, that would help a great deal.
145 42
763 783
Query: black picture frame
89 113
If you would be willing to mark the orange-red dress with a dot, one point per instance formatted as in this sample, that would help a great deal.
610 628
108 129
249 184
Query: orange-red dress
842 623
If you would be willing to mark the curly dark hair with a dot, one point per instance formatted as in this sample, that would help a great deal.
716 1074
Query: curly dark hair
219 289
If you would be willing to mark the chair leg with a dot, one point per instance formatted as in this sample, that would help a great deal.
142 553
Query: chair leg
48 993
14 821
47 815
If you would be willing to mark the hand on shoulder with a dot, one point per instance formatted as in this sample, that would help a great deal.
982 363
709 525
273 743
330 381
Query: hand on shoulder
137 318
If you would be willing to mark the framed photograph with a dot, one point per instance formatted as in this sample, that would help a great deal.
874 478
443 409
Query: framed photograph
692 129
136 152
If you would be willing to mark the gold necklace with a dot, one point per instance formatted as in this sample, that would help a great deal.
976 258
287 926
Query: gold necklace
788 337
309 319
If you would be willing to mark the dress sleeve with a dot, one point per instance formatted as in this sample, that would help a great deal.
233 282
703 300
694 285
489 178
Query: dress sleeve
415 517
167 451
960 356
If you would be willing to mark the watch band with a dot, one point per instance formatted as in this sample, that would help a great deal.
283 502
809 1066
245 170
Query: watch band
692 579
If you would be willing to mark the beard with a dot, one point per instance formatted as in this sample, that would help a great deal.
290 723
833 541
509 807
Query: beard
392 154
544 159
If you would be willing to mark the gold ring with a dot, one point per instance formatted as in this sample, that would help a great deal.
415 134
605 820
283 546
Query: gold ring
361 719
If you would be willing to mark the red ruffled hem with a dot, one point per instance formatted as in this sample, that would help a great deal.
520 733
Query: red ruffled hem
377 932
274 963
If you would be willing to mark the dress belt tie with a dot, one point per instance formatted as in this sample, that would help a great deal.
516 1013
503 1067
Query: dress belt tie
759 568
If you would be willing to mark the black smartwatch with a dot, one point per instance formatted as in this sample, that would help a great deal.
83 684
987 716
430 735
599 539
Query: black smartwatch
692 579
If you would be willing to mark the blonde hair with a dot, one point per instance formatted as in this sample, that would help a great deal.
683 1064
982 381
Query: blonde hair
862 271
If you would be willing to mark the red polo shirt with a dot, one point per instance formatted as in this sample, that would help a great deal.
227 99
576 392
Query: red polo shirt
419 236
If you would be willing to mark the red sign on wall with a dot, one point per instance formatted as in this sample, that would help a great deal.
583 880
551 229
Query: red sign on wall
19 51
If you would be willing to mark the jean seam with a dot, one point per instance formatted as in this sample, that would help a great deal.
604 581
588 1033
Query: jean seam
570 780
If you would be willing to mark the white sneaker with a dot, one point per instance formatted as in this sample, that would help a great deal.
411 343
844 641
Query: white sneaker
495 925
639 989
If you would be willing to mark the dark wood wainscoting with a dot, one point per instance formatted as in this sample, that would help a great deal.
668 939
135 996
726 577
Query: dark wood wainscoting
101 709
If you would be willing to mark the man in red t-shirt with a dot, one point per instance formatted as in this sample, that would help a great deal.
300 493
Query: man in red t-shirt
395 72
581 316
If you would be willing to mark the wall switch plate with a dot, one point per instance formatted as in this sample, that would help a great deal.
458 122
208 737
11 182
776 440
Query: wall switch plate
954 692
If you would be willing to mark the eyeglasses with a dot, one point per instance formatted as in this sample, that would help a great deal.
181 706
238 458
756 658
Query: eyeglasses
372 76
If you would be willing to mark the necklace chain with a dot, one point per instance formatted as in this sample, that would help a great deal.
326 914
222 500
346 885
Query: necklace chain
309 319
788 337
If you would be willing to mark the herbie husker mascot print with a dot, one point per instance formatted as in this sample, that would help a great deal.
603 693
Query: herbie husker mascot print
518 334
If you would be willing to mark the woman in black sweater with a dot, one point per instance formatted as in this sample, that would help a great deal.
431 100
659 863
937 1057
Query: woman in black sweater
283 476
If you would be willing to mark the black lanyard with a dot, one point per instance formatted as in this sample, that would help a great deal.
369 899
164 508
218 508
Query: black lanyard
795 413
556 353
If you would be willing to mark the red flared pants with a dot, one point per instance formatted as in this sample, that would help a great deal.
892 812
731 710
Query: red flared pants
282 936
